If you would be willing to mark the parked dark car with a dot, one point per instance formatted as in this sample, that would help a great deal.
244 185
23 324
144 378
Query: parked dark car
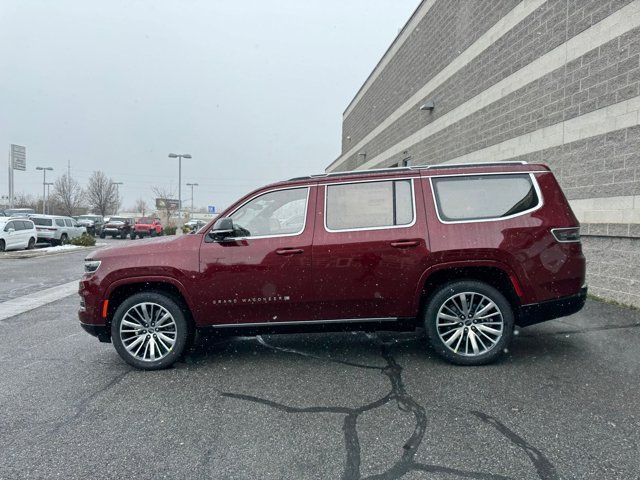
93 223
117 227
465 251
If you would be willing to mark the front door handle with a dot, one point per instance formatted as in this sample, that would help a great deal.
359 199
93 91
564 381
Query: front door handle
405 244
289 251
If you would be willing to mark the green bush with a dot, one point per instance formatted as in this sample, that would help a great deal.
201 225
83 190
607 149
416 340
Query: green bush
84 240
170 230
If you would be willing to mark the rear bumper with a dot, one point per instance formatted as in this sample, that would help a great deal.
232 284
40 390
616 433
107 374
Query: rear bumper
559 307
102 332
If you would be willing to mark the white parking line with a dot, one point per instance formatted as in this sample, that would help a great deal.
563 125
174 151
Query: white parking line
19 305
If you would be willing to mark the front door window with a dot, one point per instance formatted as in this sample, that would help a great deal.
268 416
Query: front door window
276 213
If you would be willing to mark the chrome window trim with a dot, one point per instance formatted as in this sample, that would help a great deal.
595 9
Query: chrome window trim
361 229
304 223
534 182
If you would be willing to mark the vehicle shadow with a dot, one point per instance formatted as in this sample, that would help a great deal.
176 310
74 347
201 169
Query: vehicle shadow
528 346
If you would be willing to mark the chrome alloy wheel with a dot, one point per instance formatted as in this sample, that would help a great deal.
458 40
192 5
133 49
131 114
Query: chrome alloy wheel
148 331
469 324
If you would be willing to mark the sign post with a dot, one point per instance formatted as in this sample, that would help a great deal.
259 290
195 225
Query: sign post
17 161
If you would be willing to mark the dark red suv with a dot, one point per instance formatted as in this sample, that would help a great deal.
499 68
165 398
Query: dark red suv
465 251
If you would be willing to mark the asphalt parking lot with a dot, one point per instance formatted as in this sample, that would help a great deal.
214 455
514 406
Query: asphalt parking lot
564 402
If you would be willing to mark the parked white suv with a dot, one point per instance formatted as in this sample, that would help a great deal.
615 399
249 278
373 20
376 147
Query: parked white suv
55 229
17 233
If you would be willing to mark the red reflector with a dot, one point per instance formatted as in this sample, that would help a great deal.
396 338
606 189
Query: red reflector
516 286
105 308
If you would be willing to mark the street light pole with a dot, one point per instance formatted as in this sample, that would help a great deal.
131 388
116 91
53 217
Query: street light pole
117 184
192 185
179 156
48 184
44 184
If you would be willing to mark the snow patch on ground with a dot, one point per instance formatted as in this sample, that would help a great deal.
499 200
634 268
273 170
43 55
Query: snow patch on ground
59 248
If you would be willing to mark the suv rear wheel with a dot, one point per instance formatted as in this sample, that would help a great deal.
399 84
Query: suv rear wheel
469 322
64 239
149 331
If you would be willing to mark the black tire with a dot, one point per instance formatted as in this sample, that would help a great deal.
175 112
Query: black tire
181 327
3 246
64 239
133 235
152 233
123 235
32 244
115 235
442 296
102 235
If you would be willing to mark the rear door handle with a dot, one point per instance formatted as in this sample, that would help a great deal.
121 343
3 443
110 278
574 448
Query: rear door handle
289 251
405 243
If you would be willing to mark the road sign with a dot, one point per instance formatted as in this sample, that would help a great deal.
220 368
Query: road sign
18 157
167 203
211 209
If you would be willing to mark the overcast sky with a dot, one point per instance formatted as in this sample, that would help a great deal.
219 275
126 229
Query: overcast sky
254 90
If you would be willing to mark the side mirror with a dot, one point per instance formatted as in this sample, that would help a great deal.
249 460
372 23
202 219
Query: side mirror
11 230
222 229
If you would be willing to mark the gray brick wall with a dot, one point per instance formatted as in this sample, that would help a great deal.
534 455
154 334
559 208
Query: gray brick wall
613 264
449 27
608 163
540 32
605 165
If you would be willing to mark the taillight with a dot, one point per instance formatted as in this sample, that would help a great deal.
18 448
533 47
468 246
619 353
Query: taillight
565 235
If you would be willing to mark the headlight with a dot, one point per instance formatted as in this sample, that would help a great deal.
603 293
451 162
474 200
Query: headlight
91 266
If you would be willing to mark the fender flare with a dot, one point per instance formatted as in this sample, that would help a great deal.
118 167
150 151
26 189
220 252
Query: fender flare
515 282
150 278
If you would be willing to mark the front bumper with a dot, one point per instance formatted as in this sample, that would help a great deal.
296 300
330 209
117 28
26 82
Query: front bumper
113 231
543 311
101 331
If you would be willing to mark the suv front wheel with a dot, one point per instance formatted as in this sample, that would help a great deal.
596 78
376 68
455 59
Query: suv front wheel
469 322
149 331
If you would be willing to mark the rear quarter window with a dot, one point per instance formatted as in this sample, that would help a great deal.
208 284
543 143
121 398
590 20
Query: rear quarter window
43 222
484 197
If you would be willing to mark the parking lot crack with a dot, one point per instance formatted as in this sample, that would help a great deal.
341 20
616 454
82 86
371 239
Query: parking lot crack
399 395
83 405
545 469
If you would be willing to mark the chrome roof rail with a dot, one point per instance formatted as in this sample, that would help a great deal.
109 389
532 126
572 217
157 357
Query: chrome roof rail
465 165
405 169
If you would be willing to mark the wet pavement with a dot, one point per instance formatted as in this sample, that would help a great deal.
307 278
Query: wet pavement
563 403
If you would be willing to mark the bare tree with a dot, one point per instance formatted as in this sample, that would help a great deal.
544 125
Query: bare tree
167 208
68 194
141 206
27 201
102 194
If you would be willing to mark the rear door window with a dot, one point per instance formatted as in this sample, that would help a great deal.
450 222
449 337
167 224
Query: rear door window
68 222
369 205
60 222
484 197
